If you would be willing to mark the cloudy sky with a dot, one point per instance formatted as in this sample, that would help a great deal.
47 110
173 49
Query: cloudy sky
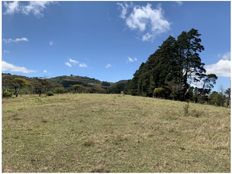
108 40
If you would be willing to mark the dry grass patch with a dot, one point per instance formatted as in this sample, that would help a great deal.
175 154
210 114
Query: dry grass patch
113 133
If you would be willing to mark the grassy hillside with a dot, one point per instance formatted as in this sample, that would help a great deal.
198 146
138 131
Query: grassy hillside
113 133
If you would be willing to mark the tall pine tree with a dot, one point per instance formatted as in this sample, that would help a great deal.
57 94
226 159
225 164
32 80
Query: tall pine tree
189 47
174 66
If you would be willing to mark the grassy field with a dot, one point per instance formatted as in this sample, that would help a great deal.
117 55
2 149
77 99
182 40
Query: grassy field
113 133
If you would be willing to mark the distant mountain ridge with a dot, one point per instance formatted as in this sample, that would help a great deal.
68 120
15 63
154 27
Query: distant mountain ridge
64 83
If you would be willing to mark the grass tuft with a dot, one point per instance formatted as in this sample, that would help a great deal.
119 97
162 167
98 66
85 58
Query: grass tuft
89 143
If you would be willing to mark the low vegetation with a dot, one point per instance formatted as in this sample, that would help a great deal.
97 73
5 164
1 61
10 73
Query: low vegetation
113 133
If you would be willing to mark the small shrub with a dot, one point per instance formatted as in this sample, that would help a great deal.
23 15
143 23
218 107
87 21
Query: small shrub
89 143
161 92
44 121
49 93
7 93
16 119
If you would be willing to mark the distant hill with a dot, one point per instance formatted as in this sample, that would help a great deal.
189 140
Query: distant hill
67 81
62 84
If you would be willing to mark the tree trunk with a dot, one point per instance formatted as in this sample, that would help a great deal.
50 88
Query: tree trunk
16 93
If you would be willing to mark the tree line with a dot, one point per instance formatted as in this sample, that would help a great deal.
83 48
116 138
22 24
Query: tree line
175 71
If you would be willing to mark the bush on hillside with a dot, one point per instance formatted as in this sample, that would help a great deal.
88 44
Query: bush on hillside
7 93
161 92
49 93
59 90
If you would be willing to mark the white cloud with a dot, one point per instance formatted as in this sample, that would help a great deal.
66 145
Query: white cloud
124 8
82 65
147 37
13 68
149 21
130 59
11 7
51 43
32 7
68 64
36 7
16 40
108 65
45 71
73 61
222 67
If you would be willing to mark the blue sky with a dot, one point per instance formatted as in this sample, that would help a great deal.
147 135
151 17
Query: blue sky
108 40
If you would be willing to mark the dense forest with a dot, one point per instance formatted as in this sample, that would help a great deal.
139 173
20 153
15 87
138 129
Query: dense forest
174 71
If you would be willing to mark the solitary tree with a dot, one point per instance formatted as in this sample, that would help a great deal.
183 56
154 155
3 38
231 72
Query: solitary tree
18 84
41 85
78 88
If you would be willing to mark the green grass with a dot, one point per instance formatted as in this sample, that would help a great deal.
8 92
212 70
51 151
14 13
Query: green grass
113 133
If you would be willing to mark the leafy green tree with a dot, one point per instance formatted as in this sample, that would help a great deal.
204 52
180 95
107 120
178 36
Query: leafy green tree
216 98
59 90
38 87
42 86
78 88
18 84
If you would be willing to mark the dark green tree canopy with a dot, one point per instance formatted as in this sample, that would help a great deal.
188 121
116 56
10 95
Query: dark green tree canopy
174 66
